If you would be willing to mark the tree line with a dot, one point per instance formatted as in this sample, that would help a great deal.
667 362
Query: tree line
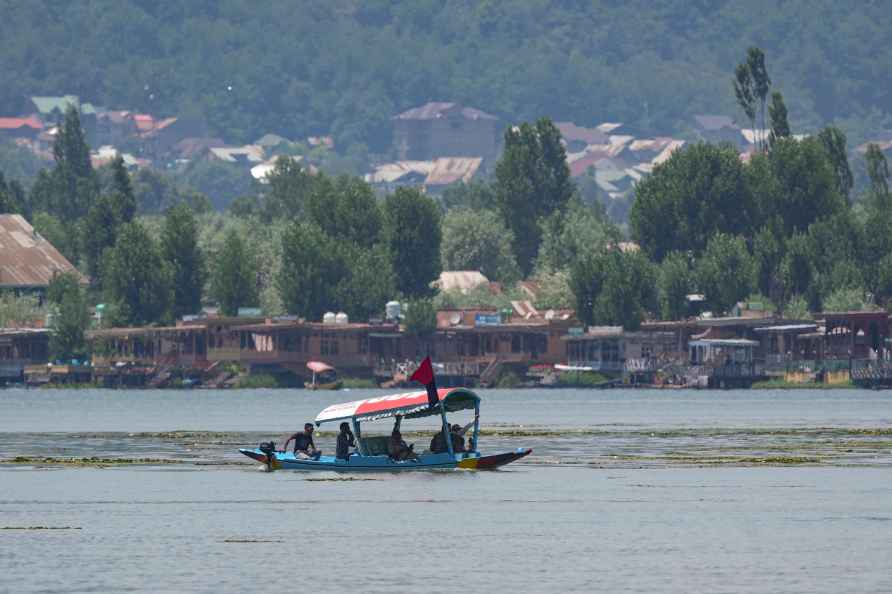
781 227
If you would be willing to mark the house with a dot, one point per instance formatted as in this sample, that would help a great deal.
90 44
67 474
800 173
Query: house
577 138
115 127
717 129
28 262
193 147
28 127
433 175
52 111
450 170
19 348
160 136
248 154
445 129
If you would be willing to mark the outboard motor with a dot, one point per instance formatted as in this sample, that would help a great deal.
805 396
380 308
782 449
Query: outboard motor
269 449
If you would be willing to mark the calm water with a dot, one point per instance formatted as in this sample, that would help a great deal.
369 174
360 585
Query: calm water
627 491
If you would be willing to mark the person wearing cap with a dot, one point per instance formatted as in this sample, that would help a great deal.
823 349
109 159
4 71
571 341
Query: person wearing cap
303 444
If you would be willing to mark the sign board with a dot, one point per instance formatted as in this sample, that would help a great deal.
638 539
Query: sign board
578 331
487 319
249 312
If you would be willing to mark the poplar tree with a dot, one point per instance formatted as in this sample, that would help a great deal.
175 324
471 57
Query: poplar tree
234 280
532 182
179 248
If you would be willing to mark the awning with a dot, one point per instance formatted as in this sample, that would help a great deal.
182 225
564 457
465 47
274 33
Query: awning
319 366
409 404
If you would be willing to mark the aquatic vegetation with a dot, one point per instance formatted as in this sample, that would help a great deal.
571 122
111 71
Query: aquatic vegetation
779 384
92 461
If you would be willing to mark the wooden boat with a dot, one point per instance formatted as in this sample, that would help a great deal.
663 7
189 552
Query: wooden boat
324 377
372 451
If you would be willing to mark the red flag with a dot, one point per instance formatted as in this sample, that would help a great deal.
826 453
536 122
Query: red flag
425 375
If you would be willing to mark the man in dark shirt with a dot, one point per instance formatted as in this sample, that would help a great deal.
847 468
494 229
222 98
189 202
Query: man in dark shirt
303 443
345 442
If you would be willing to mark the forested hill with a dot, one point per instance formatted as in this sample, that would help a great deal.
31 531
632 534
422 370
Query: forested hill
346 66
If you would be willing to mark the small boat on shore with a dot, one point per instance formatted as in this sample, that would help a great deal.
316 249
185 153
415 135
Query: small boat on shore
371 454
325 377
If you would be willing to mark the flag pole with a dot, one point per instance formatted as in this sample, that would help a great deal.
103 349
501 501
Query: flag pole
425 375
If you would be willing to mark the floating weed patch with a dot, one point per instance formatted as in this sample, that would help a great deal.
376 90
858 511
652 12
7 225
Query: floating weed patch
41 528
92 462
334 479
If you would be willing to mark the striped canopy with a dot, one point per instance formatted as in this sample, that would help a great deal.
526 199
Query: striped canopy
409 404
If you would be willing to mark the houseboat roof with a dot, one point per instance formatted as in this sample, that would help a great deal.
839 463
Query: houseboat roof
787 328
409 404
728 342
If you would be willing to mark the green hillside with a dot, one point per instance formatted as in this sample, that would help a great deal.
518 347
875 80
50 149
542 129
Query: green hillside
346 66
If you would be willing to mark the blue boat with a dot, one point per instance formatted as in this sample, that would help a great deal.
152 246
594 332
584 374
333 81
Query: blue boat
371 454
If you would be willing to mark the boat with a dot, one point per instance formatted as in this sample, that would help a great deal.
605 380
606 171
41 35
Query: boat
325 377
371 454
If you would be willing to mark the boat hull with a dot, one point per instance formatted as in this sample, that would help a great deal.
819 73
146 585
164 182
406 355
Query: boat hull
356 463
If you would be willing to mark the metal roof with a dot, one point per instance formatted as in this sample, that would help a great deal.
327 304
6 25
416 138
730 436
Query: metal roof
448 170
16 123
439 109
26 258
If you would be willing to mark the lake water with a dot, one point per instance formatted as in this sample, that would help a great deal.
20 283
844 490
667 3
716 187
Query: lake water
626 491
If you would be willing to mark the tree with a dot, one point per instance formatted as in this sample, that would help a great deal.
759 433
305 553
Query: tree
798 270
751 84
289 187
65 239
674 284
368 284
777 118
846 299
834 141
745 93
311 269
532 182
73 180
413 235
475 195
136 280
234 280
755 61
12 197
878 172
725 272
568 234
768 254
795 184
420 318
346 209
699 191
478 240
122 189
102 222
613 288
70 316
179 248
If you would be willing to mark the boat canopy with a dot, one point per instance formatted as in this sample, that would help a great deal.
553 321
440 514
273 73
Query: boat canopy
319 366
410 405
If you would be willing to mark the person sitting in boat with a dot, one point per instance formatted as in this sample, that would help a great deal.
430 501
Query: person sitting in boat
397 448
303 444
346 440
456 434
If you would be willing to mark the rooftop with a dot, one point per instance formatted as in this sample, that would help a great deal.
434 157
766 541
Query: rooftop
27 260
439 109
